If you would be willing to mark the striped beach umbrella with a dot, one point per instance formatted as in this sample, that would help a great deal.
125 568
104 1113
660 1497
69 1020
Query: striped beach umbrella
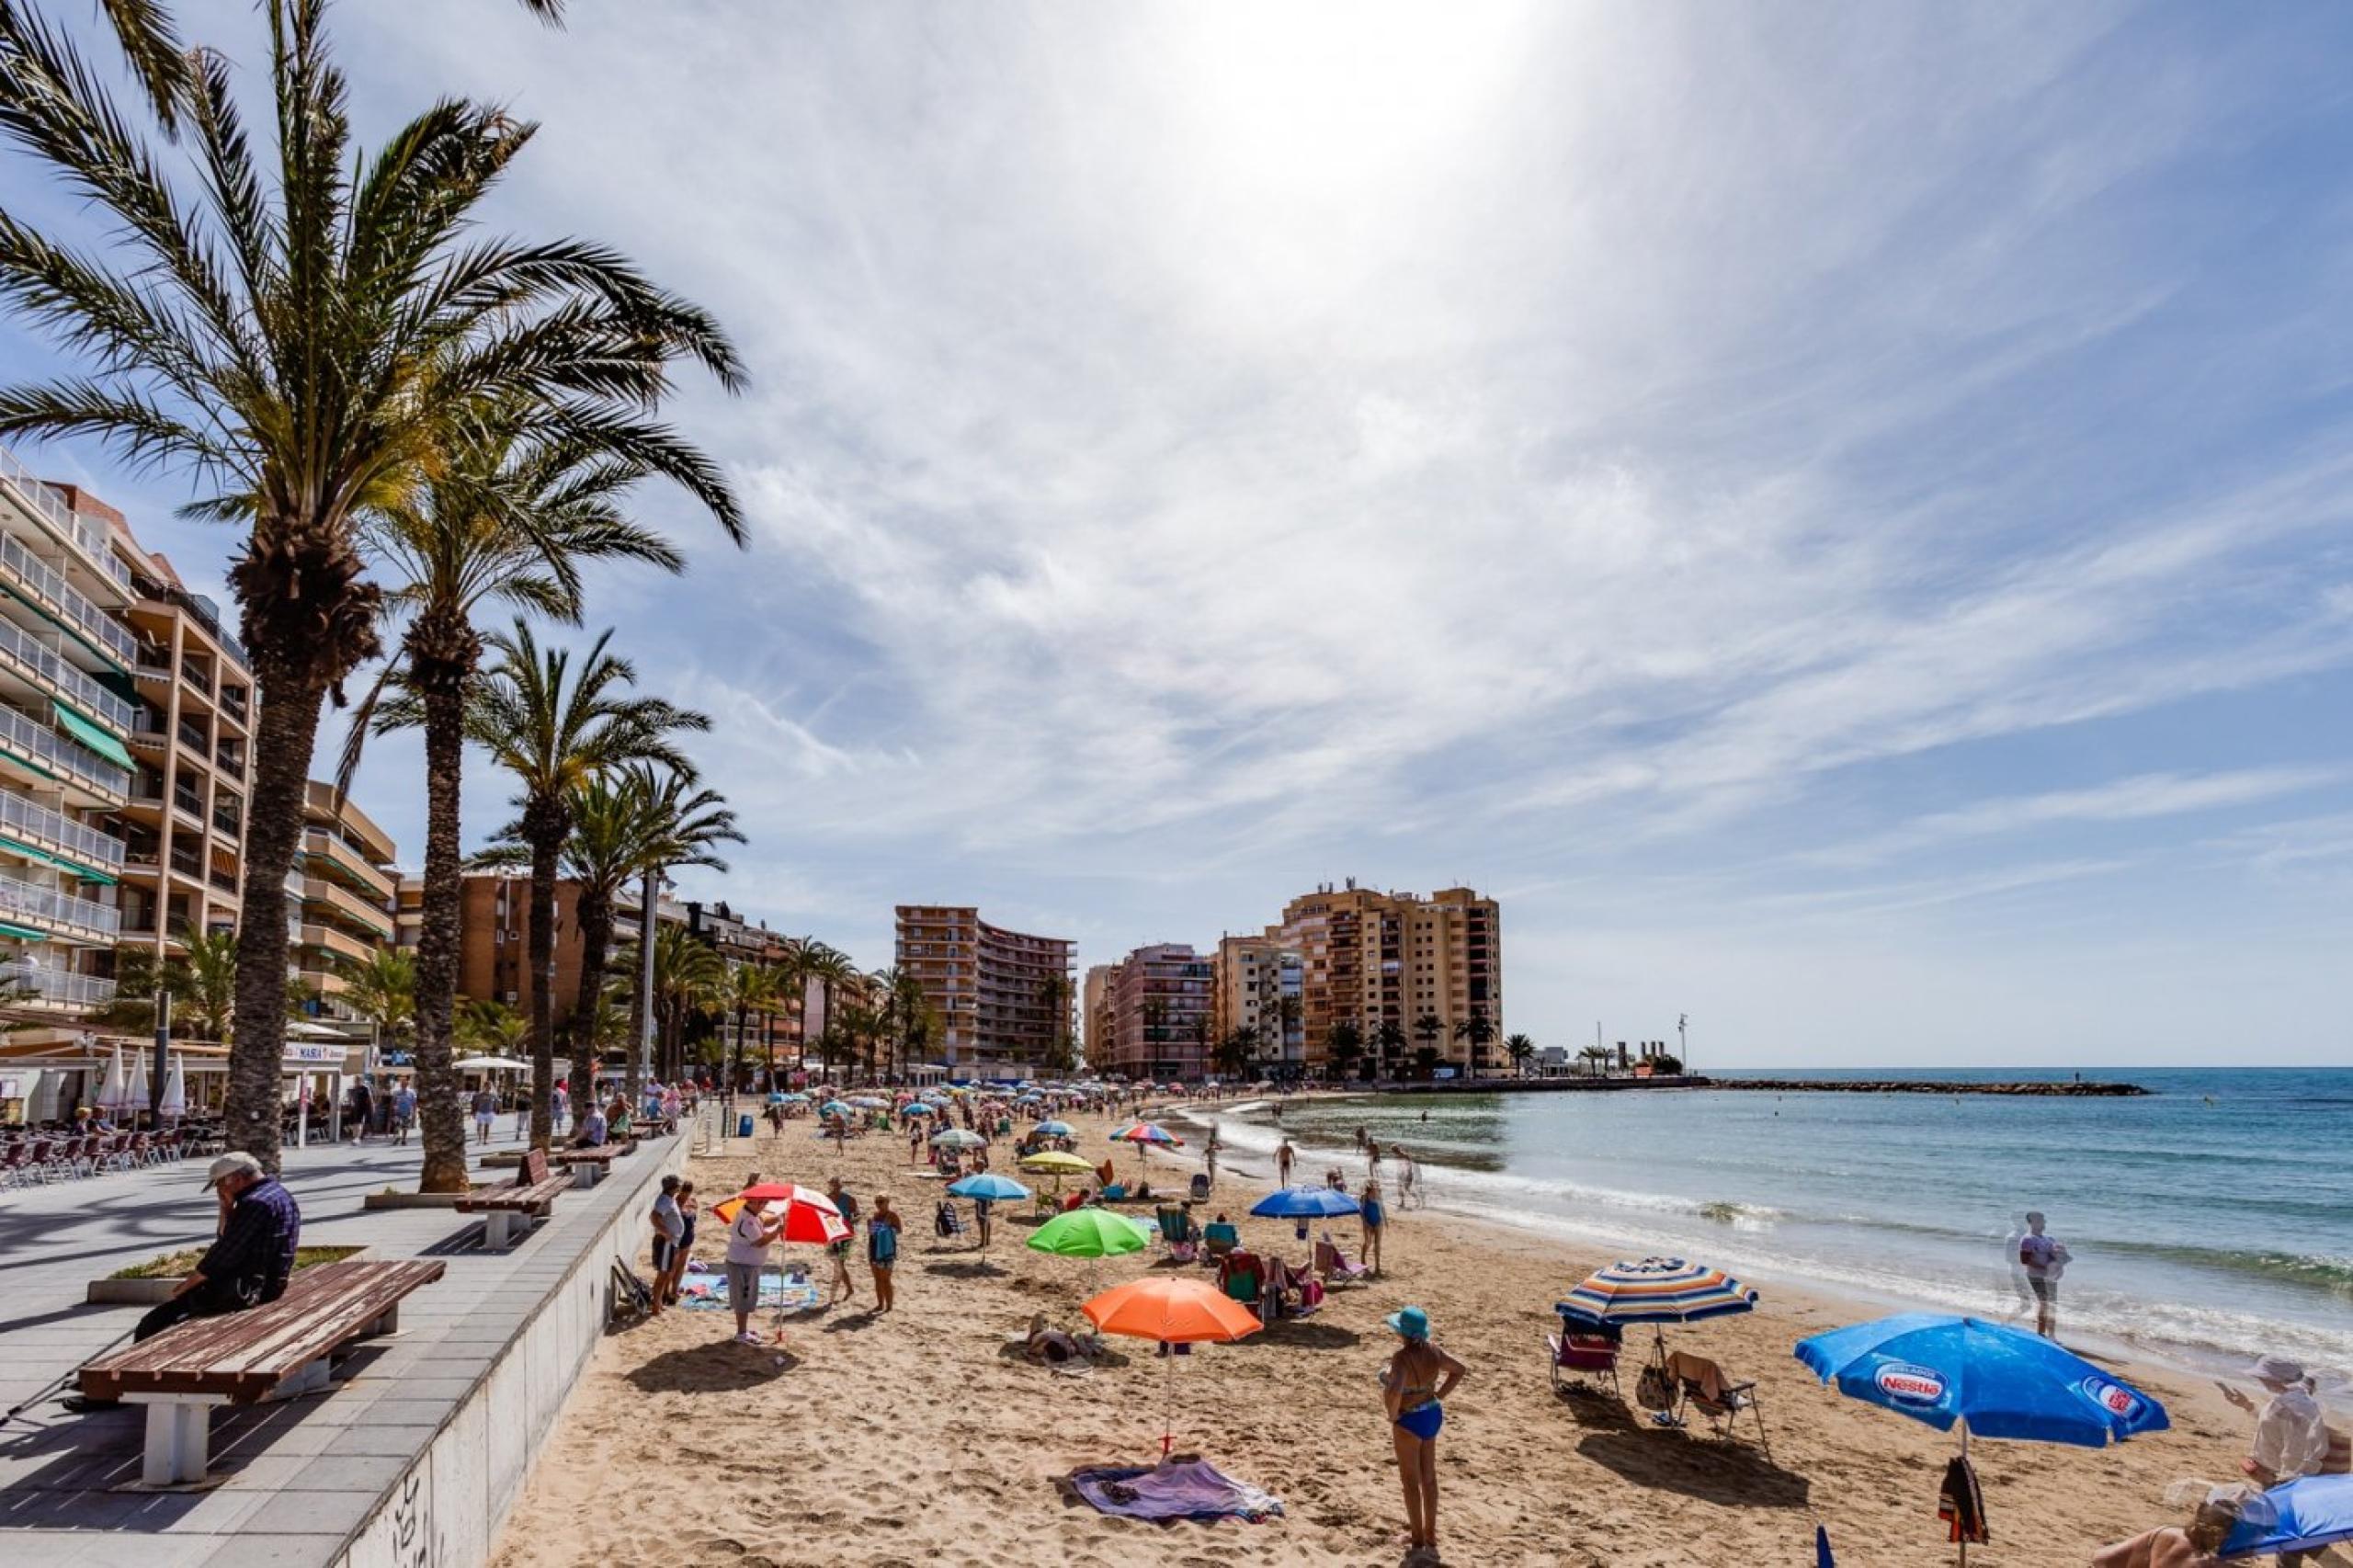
1657 1289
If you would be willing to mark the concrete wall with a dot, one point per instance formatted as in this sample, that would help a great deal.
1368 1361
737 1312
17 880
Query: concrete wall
446 1511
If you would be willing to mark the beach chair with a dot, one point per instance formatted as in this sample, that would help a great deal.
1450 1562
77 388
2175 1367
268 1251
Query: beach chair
1583 1355
1238 1275
1218 1239
1200 1190
1335 1266
1703 1386
946 1221
1175 1232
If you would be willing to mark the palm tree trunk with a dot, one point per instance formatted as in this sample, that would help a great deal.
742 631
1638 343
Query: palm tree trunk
743 1022
285 732
442 1124
546 840
596 915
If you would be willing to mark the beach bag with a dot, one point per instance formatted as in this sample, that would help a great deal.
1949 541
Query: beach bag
1653 1390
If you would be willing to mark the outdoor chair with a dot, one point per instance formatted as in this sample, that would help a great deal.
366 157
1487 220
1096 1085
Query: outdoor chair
1703 1386
1238 1275
1335 1266
16 1163
1217 1240
1584 1356
1199 1189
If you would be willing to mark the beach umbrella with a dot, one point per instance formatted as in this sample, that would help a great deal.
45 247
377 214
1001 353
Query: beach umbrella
1657 1291
174 1102
1091 1233
868 1102
1171 1310
110 1089
1056 1164
988 1185
1305 1203
833 1107
2298 1516
1056 1129
134 1093
1995 1380
809 1215
914 1111
1145 1132
957 1138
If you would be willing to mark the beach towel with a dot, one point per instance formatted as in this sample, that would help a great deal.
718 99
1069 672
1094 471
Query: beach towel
777 1293
1960 1504
1186 1490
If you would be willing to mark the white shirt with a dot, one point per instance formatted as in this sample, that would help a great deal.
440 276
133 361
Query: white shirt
667 1218
2291 1437
748 1239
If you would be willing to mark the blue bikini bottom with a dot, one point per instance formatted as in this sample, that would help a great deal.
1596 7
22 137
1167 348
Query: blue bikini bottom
1424 1420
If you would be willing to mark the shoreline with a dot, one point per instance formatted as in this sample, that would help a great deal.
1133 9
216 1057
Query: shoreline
915 1438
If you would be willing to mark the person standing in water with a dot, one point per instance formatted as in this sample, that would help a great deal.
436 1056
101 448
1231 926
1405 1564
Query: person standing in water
1282 1163
2044 1259
1413 1388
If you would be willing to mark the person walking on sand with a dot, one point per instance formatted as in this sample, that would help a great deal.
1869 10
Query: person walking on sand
882 1251
1375 1222
2044 1259
845 1287
748 1239
1413 1388
669 1229
1283 1156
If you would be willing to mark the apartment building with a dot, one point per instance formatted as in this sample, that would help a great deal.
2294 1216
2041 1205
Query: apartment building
494 934
1372 958
1094 993
1159 1010
1002 998
184 825
1260 986
342 894
66 716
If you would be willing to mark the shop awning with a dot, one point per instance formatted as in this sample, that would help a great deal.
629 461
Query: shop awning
98 740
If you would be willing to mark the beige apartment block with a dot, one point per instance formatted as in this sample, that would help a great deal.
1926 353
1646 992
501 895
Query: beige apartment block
1368 957
1157 1012
1259 986
343 891
1004 997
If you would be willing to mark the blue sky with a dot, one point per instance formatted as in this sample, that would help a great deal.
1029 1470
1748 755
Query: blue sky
1837 517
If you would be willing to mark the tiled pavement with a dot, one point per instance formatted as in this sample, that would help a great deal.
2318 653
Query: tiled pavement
291 1480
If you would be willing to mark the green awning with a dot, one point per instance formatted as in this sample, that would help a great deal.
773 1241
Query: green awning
22 935
91 735
74 867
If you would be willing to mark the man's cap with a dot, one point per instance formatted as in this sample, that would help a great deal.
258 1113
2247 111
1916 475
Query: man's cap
231 1165
2279 1370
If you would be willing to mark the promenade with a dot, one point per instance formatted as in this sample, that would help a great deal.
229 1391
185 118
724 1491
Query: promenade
292 1482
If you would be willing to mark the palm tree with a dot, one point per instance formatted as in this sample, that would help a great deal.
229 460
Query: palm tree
381 988
690 979
1478 1031
1521 1050
1426 1060
213 970
554 731
1238 1050
831 969
751 988
1427 1029
1388 1043
1344 1042
488 1027
509 516
1054 997
304 329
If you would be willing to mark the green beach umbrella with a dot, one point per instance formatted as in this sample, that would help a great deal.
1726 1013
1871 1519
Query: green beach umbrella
1091 1233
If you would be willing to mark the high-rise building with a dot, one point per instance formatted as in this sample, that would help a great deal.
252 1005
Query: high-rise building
344 893
1429 965
494 933
1260 987
66 712
1004 998
184 825
1093 992
1158 1009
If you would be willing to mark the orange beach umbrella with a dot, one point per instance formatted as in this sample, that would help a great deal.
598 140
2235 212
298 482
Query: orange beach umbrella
1173 1310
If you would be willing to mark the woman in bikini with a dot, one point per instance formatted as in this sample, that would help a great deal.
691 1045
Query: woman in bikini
1412 1388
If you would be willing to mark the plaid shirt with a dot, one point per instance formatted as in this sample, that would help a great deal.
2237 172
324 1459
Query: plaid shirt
255 1255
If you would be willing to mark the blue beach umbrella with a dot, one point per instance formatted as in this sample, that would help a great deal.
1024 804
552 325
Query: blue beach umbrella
2301 1515
2003 1382
1305 1203
915 1110
1055 1129
833 1107
989 1185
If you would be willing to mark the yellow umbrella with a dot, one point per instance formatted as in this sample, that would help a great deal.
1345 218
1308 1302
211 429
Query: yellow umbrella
1056 1161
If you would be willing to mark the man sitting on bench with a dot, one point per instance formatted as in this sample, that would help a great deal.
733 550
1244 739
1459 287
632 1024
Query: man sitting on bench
260 1228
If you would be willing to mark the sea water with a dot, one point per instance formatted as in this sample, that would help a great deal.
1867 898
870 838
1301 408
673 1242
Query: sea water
2209 1222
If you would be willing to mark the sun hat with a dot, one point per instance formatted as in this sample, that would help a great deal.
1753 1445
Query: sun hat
227 1165
2278 1370
1411 1322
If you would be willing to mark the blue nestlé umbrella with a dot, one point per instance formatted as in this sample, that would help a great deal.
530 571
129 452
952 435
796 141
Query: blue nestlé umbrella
1305 1203
2002 1381
2301 1515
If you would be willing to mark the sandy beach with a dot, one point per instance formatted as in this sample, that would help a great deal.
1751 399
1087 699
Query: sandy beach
919 1437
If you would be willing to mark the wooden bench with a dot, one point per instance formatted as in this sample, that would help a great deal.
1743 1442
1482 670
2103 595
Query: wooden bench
275 1351
589 1166
527 1198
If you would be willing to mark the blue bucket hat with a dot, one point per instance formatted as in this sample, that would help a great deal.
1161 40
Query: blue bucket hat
1411 1322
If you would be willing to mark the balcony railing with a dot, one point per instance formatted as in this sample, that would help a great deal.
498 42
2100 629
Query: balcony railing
40 745
333 941
71 684
54 511
225 881
68 602
20 817
349 904
199 678
228 823
26 900
325 845
49 985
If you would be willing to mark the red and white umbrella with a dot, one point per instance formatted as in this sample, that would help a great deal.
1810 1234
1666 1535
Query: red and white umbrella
809 1215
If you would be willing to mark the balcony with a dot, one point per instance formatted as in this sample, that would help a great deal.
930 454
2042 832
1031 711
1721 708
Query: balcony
347 903
197 676
339 944
39 983
189 804
227 821
25 902
46 752
20 819
71 607
229 759
44 503
322 846
40 665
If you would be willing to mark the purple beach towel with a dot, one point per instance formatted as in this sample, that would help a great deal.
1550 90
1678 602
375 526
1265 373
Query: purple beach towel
1188 1490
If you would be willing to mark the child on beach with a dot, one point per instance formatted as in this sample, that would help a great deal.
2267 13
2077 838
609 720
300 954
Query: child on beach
883 1250
1374 1222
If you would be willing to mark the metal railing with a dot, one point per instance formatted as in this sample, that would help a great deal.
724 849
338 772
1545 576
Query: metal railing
73 685
39 743
69 601
33 903
52 509
20 816
57 986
